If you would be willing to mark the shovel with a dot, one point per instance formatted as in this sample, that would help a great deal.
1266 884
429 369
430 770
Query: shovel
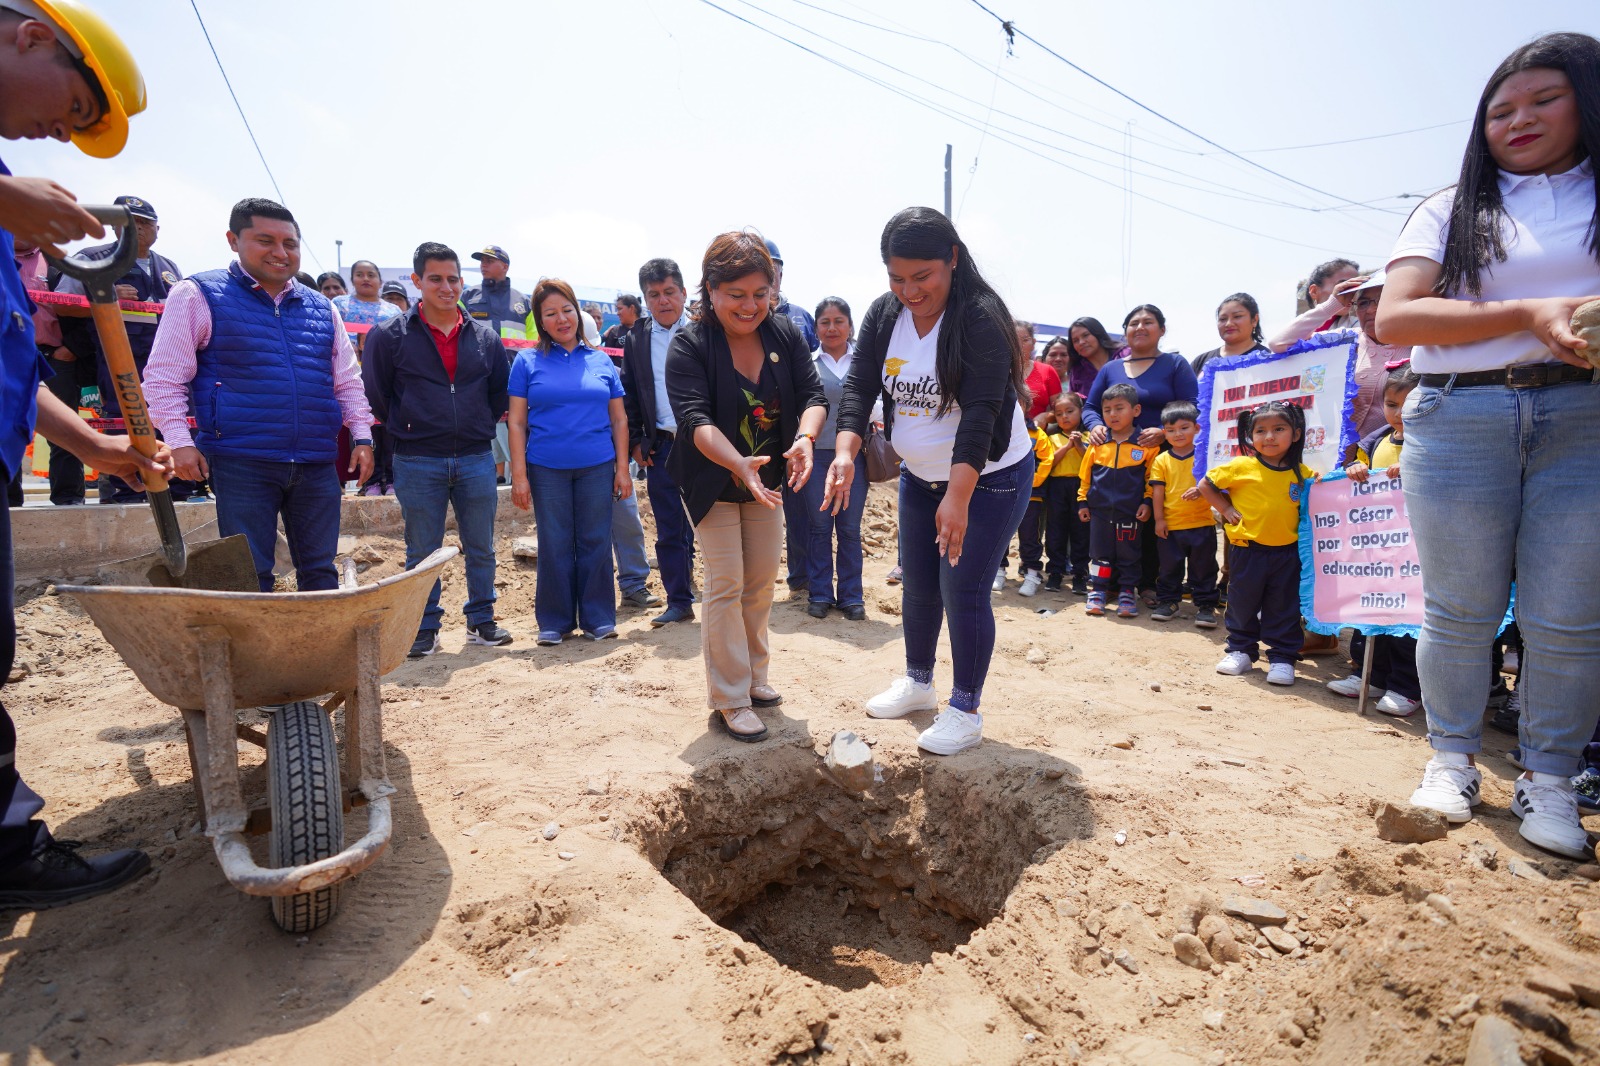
222 564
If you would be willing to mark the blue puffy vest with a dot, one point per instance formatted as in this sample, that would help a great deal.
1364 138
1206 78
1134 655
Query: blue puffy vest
263 387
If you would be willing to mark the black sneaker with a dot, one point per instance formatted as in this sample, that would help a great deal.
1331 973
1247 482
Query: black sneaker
57 875
489 635
1080 586
1505 719
426 644
1052 583
1205 618
856 612
671 615
1164 612
818 608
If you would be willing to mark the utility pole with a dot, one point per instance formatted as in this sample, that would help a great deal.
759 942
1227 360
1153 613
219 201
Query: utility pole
340 244
947 181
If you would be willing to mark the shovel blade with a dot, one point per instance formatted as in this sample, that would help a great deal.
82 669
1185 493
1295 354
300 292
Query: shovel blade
224 565
173 552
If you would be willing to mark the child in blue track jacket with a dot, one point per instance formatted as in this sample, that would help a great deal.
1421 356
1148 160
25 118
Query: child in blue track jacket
1114 498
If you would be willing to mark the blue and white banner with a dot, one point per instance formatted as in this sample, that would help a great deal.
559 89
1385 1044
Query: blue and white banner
1316 375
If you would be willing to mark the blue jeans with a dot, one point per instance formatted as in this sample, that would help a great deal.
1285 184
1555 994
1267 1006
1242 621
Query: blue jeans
252 493
627 543
21 833
674 534
796 535
1500 480
933 590
424 485
824 527
572 518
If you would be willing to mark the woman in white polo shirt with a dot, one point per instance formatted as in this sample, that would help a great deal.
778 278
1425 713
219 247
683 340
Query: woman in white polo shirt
941 348
1503 433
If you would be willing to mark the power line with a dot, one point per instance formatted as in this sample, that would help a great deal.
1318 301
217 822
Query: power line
1011 29
1348 140
965 121
240 108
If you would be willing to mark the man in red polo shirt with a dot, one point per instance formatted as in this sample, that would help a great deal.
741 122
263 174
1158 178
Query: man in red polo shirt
437 380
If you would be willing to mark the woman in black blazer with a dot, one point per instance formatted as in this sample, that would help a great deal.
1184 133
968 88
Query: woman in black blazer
746 395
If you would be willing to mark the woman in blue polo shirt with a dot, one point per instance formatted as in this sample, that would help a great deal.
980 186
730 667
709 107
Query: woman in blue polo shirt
567 420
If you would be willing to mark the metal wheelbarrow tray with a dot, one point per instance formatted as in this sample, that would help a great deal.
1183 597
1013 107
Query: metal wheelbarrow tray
208 653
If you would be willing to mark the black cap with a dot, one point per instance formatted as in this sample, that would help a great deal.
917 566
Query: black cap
393 288
772 250
493 251
136 207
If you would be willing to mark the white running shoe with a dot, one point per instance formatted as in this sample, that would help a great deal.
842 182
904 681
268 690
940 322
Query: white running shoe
1549 813
1280 674
999 580
902 697
1449 788
1397 706
1346 686
953 731
1032 581
1234 663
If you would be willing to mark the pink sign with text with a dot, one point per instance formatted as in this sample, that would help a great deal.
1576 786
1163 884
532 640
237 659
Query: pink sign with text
1363 556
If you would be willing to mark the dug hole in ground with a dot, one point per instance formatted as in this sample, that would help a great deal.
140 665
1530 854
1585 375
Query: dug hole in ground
1144 862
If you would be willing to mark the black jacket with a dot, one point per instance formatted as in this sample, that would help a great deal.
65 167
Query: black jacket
704 390
639 386
987 392
422 410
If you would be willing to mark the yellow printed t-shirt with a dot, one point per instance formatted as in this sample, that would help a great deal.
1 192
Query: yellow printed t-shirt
1268 500
1177 477
1385 455
1071 461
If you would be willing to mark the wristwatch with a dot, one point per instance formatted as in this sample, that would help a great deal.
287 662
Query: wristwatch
364 442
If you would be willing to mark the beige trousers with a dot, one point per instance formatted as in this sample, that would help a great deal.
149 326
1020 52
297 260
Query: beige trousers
739 544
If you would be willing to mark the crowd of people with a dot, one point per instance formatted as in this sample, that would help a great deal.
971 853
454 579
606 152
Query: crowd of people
755 425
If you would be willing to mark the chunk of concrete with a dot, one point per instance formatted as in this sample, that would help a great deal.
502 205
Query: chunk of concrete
1404 823
849 760
1495 1042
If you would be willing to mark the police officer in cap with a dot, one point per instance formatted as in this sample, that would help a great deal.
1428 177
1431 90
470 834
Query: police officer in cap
149 280
65 74
506 311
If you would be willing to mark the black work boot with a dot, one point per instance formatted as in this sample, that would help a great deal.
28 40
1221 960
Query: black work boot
57 875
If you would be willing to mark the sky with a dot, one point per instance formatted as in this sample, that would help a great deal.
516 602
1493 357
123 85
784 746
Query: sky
587 138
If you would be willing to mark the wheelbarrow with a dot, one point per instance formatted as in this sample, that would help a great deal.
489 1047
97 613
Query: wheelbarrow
208 653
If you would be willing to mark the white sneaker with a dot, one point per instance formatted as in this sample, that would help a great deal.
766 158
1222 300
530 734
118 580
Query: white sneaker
1234 663
1549 813
1032 581
901 698
999 580
1346 686
1280 674
951 732
1397 706
1449 788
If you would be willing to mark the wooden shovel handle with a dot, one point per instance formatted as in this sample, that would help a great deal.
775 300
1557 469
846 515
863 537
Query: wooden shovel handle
125 379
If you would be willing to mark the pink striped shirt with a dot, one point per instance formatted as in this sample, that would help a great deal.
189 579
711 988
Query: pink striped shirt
185 329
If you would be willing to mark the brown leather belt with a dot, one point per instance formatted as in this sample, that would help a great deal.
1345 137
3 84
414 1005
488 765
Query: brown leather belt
1533 376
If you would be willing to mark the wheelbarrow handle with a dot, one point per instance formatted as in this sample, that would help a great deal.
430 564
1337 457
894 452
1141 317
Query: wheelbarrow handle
99 276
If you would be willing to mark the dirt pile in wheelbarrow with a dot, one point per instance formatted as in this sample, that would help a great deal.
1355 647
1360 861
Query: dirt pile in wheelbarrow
1143 863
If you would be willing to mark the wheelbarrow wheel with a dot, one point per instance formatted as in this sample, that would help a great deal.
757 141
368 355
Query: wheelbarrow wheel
307 807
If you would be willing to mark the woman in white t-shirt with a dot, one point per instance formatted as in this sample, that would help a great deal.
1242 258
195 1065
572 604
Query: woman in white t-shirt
942 350
1502 433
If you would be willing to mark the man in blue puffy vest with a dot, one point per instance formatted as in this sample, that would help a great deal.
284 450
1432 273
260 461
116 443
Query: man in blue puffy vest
273 377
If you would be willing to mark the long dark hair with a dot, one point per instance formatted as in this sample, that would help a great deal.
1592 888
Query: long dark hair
1095 330
1475 238
1248 302
923 233
1290 413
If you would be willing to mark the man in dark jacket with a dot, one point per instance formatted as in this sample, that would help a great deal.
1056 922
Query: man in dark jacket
652 429
505 311
437 380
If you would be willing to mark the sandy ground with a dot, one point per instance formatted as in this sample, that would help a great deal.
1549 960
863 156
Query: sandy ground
1017 903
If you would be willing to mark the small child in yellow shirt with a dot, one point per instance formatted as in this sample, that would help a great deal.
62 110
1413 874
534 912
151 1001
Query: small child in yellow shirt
1185 531
1030 535
1066 536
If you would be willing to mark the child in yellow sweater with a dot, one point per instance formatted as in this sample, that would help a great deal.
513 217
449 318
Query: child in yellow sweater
1186 534
1066 536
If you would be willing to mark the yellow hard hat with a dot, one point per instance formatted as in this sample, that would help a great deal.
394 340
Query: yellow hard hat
97 45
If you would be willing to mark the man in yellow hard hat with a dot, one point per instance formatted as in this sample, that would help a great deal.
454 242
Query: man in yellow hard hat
64 74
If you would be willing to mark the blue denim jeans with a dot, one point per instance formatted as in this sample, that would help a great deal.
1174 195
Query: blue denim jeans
252 493
1501 481
796 535
933 590
572 518
674 533
425 485
627 544
825 531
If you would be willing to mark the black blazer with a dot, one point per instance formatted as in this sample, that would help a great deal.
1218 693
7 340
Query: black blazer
704 390
987 393
639 386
